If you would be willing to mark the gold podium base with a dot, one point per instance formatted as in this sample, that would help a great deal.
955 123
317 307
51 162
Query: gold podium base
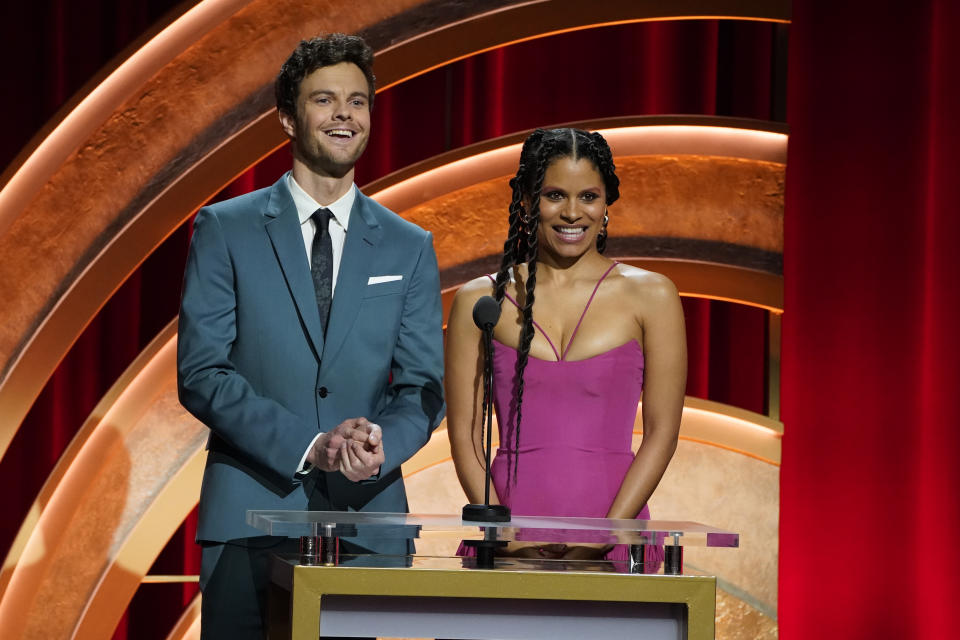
300 591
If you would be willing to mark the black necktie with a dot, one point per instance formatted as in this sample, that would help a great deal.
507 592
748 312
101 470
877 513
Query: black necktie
321 264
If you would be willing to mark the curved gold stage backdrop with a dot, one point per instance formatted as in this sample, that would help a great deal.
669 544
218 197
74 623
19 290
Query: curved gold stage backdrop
126 168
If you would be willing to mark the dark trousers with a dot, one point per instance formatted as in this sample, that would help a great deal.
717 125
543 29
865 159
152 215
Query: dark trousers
235 581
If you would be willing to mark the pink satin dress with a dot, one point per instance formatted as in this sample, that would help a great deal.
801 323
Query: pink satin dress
575 433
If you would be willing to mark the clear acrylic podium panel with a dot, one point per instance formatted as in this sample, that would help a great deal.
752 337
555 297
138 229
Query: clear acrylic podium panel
347 525
514 598
511 598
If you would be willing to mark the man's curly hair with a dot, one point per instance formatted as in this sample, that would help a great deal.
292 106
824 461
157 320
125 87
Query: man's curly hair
321 51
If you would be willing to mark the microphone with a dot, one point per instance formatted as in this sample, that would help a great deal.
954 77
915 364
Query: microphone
486 313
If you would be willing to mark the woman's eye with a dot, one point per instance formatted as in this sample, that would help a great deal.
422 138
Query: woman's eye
589 196
554 195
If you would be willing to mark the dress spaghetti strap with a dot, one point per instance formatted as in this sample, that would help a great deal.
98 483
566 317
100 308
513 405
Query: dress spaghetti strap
580 321
539 328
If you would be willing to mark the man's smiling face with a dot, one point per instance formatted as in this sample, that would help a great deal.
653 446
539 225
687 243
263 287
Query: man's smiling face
332 124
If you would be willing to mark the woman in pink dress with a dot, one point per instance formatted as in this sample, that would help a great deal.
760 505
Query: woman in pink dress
579 337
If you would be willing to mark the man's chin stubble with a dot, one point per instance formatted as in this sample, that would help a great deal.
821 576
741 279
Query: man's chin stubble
326 166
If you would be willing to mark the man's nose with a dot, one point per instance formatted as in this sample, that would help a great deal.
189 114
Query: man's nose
341 112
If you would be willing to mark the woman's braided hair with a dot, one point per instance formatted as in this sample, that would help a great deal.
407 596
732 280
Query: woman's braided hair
540 149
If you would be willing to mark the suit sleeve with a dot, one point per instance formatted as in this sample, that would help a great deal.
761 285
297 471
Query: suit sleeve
209 385
415 406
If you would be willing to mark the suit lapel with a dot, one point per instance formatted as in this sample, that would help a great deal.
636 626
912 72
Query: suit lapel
363 236
283 226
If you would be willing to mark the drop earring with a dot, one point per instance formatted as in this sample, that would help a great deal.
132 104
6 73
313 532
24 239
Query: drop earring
602 236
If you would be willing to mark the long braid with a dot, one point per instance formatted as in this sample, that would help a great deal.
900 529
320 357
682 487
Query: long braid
527 329
527 333
487 390
515 248
509 259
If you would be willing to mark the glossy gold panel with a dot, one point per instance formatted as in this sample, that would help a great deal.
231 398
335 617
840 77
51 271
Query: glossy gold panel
737 620
723 201
126 483
655 135
693 189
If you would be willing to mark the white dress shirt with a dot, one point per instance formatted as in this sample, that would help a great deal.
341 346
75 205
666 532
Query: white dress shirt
340 208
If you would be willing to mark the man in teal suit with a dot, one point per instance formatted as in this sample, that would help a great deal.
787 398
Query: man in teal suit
310 339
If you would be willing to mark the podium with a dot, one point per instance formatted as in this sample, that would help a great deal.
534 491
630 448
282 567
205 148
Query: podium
321 591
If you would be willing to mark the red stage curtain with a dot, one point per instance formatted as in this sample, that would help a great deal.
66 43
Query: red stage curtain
869 512
701 67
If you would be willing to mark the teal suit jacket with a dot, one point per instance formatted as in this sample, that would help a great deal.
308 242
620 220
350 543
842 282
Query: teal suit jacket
254 365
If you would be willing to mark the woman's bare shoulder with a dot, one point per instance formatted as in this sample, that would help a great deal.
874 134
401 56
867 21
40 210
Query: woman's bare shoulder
475 289
644 283
467 296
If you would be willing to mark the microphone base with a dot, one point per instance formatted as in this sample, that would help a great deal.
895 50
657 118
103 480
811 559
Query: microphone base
486 513
486 551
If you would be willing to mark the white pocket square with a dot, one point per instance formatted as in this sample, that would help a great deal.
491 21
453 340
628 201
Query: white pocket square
380 279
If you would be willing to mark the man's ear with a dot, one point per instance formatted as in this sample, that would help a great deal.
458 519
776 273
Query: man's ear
289 124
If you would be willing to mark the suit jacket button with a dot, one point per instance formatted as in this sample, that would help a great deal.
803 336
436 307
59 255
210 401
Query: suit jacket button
322 392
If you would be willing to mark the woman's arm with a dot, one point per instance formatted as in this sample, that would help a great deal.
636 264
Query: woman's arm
463 384
665 376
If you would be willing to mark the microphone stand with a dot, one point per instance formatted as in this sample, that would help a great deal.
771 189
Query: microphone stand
486 312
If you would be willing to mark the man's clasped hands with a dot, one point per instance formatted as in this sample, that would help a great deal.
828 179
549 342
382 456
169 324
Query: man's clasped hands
354 447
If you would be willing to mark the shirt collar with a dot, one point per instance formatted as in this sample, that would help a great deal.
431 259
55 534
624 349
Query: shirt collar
306 205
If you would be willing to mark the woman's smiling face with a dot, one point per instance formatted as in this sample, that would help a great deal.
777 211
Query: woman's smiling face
572 206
